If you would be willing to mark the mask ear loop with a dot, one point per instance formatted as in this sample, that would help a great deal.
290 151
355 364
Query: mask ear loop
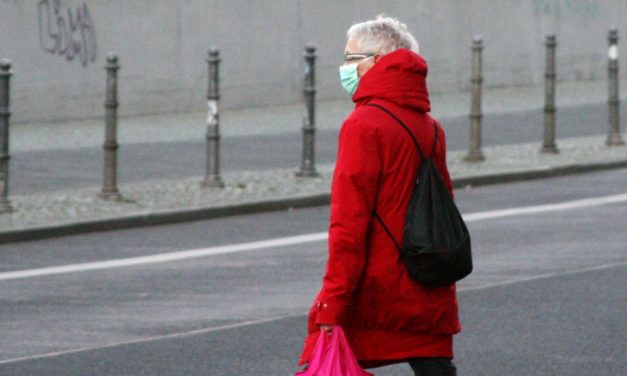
361 62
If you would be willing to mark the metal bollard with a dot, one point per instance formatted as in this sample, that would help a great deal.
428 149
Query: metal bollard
549 97
5 114
308 168
474 152
212 175
109 187
614 138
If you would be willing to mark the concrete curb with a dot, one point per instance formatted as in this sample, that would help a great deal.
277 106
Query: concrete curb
510 177
160 218
202 213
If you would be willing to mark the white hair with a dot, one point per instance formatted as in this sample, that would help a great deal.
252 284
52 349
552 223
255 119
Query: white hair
382 35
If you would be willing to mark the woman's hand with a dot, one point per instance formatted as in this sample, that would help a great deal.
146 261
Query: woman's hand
326 328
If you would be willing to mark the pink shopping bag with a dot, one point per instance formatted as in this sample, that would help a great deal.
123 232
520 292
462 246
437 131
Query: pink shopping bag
332 356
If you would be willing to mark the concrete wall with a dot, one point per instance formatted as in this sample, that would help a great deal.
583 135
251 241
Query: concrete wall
163 44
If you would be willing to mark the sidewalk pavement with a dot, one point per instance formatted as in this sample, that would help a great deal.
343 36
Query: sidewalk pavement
167 201
161 201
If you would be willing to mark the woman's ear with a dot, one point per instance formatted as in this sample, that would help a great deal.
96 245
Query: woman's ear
376 58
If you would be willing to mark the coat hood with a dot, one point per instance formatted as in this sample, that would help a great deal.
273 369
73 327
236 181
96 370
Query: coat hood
399 77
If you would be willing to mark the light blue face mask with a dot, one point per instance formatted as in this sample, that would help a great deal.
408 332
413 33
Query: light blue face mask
349 77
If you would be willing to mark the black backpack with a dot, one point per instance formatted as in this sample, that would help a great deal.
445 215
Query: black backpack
436 242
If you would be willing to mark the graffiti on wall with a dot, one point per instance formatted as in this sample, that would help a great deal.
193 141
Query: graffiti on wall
557 8
67 31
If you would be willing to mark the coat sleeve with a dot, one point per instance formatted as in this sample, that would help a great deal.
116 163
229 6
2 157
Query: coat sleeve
353 194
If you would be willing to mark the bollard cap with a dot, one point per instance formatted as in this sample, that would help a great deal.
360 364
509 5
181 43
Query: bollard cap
213 55
5 64
477 42
612 35
550 40
112 58
310 48
214 51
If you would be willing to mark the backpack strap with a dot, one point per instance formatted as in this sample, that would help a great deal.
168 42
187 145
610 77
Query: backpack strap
387 230
435 139
422 155
413 138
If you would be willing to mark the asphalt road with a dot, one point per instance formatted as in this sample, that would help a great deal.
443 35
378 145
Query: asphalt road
547 297
53 170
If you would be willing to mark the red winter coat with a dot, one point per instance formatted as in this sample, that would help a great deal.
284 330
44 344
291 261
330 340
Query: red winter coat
387 317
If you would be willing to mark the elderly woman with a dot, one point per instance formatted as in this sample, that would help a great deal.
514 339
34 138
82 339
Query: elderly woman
387 317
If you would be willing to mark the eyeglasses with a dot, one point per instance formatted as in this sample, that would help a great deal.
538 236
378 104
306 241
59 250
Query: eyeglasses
350 57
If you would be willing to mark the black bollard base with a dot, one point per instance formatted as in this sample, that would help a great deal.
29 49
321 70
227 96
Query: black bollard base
615 139
549 149
308 173
5 207
474 156
110 196
212 182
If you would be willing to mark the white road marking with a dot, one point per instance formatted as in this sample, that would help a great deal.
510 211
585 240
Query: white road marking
542 276
568 205
279 318
292 240
164 257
